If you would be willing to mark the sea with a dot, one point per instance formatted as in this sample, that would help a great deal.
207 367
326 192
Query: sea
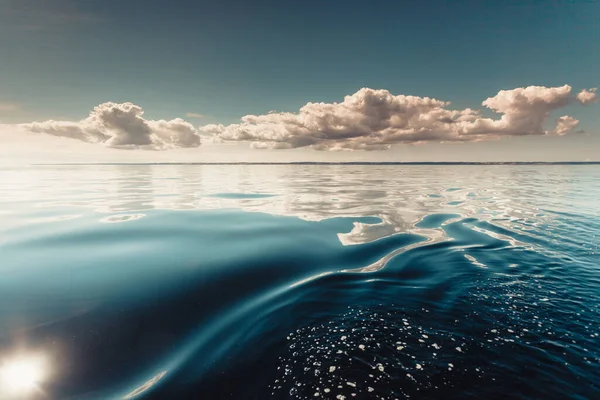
300 281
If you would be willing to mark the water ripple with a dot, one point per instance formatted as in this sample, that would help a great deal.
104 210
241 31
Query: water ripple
304 282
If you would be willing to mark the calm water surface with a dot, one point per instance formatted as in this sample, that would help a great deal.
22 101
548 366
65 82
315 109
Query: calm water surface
297 282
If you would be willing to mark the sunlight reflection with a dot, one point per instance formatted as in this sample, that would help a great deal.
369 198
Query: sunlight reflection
22 376
145 386
121 218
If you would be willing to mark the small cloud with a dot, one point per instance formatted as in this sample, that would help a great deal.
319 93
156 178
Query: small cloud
564 125
194 115
587 96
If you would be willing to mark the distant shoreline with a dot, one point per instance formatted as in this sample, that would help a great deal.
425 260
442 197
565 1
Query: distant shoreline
337 163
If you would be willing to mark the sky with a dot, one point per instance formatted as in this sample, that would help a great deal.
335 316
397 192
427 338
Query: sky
277 81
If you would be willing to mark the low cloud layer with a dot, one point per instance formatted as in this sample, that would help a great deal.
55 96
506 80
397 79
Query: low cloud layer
122 126
376 119
367 120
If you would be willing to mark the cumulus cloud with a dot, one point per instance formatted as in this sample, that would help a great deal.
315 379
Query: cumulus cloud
376 119
564 125
587 96
122 126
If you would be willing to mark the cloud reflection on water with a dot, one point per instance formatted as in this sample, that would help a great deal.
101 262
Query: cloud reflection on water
401 196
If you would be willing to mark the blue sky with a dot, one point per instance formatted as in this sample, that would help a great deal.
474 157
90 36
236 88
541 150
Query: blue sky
227 59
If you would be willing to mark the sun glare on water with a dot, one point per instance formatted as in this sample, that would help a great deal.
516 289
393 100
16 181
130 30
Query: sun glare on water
21 377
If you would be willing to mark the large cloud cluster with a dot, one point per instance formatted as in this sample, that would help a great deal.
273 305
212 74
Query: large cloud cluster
122 126
376 119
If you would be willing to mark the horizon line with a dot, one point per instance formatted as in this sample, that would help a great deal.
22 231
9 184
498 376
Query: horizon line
336 163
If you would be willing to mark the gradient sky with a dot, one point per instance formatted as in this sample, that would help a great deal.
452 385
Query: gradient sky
226 59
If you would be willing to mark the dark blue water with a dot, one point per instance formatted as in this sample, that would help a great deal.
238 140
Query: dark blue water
295 282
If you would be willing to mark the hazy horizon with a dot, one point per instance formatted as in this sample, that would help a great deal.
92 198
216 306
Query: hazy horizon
338 163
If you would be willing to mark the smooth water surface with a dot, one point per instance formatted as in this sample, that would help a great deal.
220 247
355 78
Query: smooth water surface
300 281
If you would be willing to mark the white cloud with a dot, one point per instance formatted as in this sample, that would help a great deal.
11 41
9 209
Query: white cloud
376 119
564 125
194 115
122 126
587 96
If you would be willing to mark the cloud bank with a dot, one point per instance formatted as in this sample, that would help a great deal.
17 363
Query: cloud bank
122 126
366 120
376 119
